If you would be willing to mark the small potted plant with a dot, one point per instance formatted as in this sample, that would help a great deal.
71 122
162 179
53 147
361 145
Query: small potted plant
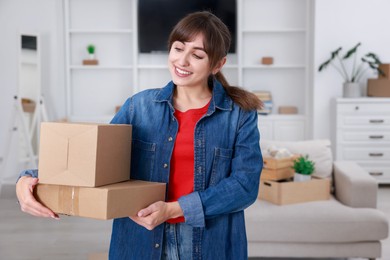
91 51
303 168
91 59
351 87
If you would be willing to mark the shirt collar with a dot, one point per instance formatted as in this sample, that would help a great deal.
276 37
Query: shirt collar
220 98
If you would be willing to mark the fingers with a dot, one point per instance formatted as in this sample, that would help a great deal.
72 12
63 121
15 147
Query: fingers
28 204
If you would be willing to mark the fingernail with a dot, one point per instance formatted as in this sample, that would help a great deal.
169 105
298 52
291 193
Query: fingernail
55 217
140 214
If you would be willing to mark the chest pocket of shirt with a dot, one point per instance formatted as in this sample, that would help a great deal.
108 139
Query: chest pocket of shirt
221 165
142 160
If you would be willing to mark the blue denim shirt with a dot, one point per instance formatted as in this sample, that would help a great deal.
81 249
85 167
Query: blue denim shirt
227 168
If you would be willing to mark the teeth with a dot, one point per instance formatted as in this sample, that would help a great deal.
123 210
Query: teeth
182 71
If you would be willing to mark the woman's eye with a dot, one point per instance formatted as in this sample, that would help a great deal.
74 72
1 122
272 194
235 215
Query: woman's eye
178 49
198 57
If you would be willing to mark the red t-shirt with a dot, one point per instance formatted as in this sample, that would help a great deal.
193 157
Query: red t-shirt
181 178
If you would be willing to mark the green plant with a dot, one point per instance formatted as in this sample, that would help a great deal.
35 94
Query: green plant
91 49
357 72
303 165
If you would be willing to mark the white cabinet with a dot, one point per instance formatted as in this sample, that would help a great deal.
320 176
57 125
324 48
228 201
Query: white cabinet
282 128
276 28
363 134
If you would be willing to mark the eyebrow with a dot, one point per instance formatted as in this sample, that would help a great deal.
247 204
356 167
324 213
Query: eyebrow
196 48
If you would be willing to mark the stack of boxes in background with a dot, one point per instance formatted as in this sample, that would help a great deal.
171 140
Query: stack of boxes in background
277 185
380 87
84 170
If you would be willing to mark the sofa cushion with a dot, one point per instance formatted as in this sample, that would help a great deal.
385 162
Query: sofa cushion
318 150
319 221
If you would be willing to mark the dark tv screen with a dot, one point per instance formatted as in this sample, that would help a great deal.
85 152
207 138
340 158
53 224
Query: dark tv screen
29 42
156 18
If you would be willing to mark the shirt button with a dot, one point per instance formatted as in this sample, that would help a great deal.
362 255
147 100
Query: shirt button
170 139
165 165
157 245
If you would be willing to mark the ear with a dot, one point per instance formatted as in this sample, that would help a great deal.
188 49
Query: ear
219 66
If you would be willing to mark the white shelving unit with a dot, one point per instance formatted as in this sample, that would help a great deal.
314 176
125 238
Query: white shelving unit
276 28
94 91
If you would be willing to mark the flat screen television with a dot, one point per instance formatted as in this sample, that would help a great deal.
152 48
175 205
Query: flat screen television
156 18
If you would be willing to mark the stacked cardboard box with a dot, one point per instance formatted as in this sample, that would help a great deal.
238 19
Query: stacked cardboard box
277 169
84 170
276 185
380 87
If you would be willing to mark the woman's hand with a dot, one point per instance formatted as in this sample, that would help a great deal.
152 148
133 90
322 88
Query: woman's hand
157 213
28 204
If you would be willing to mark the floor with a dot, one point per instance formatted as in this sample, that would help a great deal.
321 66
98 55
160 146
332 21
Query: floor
23 237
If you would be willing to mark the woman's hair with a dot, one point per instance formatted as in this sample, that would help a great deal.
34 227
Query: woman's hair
217 40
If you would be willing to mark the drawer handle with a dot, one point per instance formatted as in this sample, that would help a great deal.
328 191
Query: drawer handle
376 173
376 136
377 121
376 154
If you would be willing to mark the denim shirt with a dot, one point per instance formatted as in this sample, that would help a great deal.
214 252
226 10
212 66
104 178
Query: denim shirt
227 168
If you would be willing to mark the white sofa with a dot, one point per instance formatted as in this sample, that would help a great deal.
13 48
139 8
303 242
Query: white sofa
347 225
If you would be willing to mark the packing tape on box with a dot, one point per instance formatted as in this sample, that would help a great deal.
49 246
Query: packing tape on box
68 200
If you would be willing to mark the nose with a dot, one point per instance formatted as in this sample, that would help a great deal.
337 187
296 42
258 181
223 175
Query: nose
183 59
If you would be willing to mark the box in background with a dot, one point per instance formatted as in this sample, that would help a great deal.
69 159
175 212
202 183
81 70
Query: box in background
277 174
288 110
106 202
378 87
385 67
290 192
87 155
267 60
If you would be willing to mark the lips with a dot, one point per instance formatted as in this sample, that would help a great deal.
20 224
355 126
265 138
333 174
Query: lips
181 72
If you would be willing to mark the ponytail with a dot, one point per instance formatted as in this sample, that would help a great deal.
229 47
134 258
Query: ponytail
244 99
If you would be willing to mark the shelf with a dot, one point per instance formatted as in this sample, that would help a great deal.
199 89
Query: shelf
152 66
91 119
271 67
99 67
280 30
83 31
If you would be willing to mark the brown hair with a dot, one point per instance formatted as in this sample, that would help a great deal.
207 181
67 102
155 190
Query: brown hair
217 40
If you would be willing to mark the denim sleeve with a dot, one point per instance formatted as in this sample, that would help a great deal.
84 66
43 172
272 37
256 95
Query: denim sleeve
31 172
124 114
240 189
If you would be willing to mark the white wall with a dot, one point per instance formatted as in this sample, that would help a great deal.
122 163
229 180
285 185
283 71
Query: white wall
38 16
344 23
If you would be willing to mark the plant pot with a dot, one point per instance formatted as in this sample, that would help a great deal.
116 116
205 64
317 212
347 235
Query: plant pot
92 56
301 177
351 90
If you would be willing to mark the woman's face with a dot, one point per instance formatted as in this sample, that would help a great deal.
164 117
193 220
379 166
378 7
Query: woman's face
189 64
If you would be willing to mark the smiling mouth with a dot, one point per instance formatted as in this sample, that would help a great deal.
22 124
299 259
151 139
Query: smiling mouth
182 72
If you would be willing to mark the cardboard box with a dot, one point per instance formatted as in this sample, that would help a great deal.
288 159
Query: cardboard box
277 174
288 110
378 88
89 155
98 256
274 163
290 192
106 202
385 67
267 60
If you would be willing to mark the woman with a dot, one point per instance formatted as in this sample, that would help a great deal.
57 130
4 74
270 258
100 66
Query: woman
199 135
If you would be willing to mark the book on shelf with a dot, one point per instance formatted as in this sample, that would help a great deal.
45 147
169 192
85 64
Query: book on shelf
266 98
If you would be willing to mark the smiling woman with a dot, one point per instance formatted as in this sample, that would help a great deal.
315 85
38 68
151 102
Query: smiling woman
206 148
